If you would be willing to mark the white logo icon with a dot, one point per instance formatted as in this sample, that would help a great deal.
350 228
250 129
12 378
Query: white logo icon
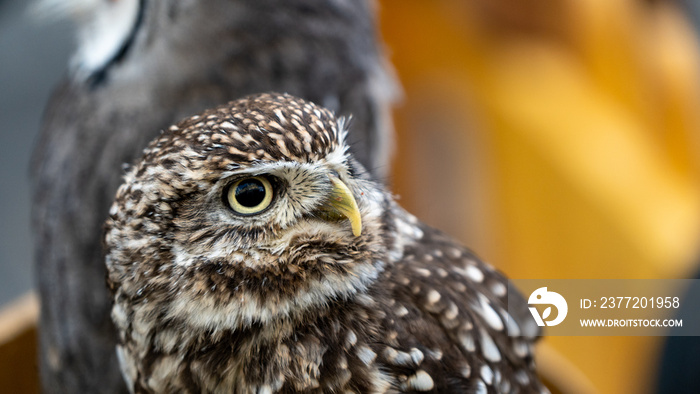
542 296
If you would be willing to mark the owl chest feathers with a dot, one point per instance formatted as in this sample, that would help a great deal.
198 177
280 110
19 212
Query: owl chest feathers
253 325
330 351
411 326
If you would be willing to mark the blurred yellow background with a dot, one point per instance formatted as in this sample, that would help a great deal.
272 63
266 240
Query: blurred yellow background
558 139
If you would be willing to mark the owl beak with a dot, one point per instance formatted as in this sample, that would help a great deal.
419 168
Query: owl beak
342 203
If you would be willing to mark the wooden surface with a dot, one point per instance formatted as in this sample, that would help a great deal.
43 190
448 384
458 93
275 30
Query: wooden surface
18 350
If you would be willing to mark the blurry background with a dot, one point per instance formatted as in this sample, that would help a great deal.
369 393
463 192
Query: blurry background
558 139
33 56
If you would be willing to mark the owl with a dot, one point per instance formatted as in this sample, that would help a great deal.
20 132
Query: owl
140 66
249 252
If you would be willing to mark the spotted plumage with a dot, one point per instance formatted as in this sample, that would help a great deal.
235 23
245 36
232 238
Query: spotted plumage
323 285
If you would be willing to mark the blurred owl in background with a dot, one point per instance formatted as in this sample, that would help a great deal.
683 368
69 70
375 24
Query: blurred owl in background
249 252
141 65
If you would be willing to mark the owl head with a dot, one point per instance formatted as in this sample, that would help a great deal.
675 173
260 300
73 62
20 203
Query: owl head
247 213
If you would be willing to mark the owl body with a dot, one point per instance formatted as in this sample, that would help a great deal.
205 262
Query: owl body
323 285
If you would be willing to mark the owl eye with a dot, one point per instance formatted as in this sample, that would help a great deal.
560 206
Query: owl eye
249 196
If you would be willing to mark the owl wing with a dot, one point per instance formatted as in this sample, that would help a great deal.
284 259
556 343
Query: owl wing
449 326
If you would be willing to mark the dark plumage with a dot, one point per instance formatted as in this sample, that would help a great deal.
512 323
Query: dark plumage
326 286
172 59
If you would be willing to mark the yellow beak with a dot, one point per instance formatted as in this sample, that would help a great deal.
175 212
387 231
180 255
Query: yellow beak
342 203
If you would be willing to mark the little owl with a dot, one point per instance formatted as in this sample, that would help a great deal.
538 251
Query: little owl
248 252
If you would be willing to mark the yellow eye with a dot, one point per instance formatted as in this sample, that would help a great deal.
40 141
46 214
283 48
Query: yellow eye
250 195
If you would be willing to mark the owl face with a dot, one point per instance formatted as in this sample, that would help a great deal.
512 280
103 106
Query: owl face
264 207
250 213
